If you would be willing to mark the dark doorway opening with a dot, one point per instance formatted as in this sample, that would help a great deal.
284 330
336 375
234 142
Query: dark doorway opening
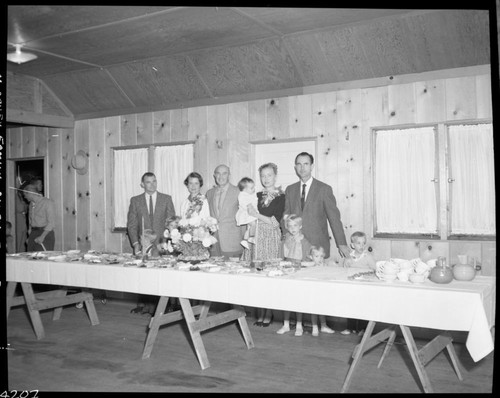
27 171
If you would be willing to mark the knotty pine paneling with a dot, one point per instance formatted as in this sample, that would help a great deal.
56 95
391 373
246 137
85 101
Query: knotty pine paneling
238 148
460 98
161 127
15 145
145 128
111 139
97 171
217 141
402 103
41 137
128 131
82 137
300 116
375 113
256 121
488 258
197 132
179 123
324 126
68 191
406 249
483 96
430 101
433 249
28 141
350 160
341 120
277 118
54 182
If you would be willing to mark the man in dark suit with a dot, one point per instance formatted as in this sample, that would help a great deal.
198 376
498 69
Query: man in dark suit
223 205
313 200
141 215
149 210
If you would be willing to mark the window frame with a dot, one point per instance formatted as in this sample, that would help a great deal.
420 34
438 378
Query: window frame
449 174
444 200
151 162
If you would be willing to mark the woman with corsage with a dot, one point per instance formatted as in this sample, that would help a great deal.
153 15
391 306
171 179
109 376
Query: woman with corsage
196 204
270 208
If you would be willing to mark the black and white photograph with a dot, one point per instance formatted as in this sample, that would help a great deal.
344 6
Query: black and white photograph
249 199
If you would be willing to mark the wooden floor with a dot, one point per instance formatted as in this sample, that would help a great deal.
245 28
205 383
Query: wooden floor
75 356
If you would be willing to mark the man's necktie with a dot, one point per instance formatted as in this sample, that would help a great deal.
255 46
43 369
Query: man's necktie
303 197
151 212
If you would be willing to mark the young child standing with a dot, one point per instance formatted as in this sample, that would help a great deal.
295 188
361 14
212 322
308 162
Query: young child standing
359 258
295 248
317 254
247 196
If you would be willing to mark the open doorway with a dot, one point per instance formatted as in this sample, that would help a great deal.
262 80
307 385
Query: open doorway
27 171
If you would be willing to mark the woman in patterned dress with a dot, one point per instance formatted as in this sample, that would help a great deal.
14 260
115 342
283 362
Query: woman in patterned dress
271 204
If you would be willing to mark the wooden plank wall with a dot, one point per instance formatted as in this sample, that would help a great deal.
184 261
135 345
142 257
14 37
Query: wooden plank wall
340 120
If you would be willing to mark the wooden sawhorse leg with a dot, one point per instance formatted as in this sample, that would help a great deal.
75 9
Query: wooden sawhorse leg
195 326
368 342
46 300
423 356
420 357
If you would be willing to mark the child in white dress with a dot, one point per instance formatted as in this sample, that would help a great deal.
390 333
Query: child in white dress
247 196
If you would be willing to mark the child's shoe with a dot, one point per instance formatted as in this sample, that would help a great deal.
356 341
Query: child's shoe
251 240
326 329
299 332
345 332
315 332
283 330
244 243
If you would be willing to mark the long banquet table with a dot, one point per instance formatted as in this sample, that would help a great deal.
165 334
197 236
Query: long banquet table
457 306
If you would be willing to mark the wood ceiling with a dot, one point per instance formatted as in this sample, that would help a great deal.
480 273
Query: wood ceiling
110 60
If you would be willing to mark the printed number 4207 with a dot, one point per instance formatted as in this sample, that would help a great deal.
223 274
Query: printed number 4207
19 394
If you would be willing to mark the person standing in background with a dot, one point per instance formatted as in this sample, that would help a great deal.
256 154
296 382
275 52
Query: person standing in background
147 211
22 206
223 204
313 200
41 220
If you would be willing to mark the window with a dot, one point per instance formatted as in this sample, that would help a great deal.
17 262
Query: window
170 163
471 179
407 187
405 176
282 153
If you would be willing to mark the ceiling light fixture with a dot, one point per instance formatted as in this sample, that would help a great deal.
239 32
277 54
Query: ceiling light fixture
19 57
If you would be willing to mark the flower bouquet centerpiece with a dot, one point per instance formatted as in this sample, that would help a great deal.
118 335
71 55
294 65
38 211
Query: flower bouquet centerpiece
194 237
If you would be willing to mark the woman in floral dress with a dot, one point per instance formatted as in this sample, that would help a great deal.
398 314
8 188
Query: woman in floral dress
271 205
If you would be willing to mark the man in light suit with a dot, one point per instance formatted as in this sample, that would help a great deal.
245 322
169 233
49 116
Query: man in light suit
223 205
313 200
148 210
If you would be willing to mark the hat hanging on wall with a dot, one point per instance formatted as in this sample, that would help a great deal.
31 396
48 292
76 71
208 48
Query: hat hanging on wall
80 162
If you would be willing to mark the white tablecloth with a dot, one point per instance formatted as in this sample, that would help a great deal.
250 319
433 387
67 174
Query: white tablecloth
460 306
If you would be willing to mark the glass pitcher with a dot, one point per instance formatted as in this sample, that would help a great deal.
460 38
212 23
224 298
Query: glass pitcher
441 273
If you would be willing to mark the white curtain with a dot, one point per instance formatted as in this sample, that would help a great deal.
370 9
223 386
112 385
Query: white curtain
472 169
405 195
172 165
129 166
